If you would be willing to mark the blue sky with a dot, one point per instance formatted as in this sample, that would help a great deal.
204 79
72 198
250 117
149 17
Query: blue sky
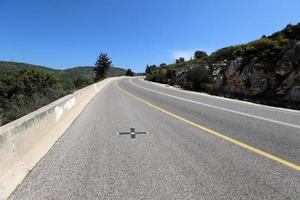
68 33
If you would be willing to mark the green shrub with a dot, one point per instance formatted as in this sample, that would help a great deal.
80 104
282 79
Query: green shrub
227 53
290 32
197 75
258 47
25 91
180 60
129 72
82 82
150 69
208 87
200 54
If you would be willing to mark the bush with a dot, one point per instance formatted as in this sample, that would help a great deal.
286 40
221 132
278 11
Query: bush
290 32
180 60
163 65
266 49
150 69
259 46
129 72
25 91
200 54
227 53
207 87
196 76
82 82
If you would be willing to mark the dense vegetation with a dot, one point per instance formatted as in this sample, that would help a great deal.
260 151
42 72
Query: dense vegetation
129 72
25 88
24 91
266 69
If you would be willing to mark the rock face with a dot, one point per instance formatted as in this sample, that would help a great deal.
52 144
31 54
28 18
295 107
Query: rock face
277 84
280 83
265 70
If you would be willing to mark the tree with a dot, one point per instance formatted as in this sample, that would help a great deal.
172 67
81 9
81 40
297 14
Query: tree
162 65
101 66
150 68
129 72
147 70
180 60
200 54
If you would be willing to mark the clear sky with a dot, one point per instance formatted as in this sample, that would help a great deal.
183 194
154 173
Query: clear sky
68 33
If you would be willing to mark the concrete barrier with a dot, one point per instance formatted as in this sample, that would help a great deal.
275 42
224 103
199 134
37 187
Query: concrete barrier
25 141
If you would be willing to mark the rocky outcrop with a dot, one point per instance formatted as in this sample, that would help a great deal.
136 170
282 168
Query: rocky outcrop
243 77
266 70
281 82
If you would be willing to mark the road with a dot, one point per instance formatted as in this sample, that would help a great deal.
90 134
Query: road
197 147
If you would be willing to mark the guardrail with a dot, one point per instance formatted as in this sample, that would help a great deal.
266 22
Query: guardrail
26 140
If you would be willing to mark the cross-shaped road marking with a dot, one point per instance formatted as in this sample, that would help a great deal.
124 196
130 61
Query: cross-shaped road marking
132 133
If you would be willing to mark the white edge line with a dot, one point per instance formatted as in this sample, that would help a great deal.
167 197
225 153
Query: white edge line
220 108
287 110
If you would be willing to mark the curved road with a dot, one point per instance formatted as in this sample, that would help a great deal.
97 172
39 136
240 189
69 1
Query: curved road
197 147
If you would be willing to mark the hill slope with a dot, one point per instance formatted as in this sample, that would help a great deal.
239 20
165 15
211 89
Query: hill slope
6 66
266 70
88 72
69 74
25 87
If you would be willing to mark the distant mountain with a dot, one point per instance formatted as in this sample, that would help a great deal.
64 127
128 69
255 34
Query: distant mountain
68 74
88 72
6 66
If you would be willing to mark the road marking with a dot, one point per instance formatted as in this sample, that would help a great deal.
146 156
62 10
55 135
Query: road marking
215 133
132 133
201 94
220 108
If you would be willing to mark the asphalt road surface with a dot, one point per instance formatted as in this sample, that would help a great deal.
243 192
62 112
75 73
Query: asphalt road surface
197 147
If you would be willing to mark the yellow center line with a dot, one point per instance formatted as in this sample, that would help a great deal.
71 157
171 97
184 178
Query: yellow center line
215 133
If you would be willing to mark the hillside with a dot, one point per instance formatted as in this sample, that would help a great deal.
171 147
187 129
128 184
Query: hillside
25 87
6 66
266 70
88 72
68 74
